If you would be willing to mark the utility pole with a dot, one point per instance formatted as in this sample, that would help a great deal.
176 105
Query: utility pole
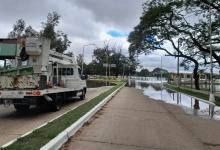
123 70
161 73
211 95
106 69
82 60
109 69
178 64
178 70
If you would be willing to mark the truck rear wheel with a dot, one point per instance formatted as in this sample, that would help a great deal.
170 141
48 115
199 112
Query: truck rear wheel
22 107
57 102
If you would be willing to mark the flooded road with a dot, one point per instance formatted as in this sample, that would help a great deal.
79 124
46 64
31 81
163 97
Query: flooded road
187 103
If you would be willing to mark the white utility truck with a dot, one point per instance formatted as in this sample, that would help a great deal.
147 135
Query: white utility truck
32 74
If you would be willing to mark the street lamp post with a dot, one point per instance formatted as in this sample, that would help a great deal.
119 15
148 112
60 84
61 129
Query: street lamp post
109 69
110 64
123 71
106 69
83 59
161 72
178 71
83 56
178 64
161 75
211 95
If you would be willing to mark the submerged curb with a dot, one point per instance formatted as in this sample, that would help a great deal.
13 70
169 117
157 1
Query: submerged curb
200 99
61 138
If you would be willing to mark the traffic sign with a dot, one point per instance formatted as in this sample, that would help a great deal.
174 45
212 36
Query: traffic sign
105 65
113 65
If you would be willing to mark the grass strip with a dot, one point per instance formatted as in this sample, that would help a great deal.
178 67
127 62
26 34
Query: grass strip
42 136
193 93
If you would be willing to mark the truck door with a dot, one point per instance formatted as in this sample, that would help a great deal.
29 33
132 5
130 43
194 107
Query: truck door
57 72
82 81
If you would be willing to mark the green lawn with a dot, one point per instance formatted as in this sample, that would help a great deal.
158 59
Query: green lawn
40 137
192 93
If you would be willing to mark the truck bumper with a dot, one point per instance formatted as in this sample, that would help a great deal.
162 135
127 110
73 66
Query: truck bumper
16 94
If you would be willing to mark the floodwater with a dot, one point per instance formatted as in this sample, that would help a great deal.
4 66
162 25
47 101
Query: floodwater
203 86
187 103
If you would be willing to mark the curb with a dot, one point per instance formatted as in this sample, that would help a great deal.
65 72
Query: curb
61 138
31 131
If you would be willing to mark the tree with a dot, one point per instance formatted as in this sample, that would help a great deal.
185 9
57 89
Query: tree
196 32
110 55
160 72
30 32
48 30
79 59
70 54
59 40
20 30
144 73
165 22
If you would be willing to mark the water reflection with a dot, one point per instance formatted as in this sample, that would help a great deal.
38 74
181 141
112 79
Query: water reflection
203 86
189 104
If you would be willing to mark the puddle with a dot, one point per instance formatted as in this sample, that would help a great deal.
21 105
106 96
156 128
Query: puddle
190 105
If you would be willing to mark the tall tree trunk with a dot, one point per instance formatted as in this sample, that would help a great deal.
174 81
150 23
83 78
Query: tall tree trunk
196 76
196 83
196 80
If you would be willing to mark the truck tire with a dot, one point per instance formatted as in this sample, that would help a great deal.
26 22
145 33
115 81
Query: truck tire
22 107
57 103
83 95
85 90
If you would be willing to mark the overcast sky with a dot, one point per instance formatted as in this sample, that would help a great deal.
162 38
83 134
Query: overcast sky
85 22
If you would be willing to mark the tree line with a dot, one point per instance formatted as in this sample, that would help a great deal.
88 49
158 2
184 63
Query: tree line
186 26
108 55
156 72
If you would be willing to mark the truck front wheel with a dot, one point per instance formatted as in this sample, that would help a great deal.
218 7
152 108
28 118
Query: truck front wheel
83 95
22 107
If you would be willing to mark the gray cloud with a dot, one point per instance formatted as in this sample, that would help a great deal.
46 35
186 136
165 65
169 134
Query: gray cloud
85 21
31 11
122 14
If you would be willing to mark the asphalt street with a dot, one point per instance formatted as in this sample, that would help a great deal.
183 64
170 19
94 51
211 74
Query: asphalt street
14 124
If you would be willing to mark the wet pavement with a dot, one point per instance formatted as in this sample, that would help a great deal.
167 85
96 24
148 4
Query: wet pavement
13 124
189 104
133 121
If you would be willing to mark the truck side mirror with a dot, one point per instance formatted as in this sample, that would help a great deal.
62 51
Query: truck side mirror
84 76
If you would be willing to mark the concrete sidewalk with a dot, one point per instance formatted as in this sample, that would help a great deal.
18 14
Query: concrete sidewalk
132 121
